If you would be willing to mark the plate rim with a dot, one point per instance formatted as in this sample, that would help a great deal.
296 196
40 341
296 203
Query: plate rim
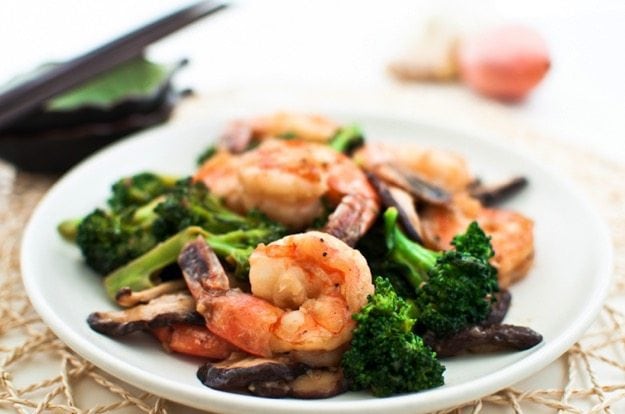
436 398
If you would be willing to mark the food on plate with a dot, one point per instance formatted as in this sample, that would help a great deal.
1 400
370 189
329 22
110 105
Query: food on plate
511 233
386 356
293 182
304 289
453 289
301 260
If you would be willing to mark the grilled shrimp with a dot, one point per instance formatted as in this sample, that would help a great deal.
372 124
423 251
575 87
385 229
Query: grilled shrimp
242 133
442 168
193 340
289 180
511 233
219 173
305 288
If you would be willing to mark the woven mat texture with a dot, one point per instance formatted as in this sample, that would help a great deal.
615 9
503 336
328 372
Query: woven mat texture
27 344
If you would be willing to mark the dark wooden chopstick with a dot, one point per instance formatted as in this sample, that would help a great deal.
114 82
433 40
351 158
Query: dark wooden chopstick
25 97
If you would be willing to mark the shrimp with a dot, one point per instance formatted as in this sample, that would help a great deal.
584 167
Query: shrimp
511 233
193 340
220 171
304 289
289 180
242 133
442 168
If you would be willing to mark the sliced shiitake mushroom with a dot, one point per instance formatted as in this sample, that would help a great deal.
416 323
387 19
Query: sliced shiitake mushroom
499 309
239 371
484 339
319 383
411 183
275 377
238 137
126 297
161 311
392 196
491 194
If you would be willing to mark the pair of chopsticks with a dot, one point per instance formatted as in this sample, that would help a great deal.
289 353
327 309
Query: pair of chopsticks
26 96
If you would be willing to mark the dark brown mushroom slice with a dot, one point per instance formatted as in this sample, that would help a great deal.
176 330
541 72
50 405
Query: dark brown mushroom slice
495 193
161 311
319 383
412 183
238 137
484 339
498 311
273 378
270 389
240 372
392 196
126 297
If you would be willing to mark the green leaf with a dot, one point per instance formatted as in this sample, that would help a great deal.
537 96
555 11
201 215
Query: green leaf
137 78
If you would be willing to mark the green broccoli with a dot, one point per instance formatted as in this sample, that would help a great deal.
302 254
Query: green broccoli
373 246
192 204
138 190
234 247
347 139
111 238
108 240
386 357
453 289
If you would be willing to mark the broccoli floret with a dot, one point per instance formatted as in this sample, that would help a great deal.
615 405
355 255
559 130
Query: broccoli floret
453 289
192 204
347 139
385 356
138 190
111 239
108 240
234 247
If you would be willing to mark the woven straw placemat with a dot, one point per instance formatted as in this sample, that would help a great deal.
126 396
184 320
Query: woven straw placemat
38 373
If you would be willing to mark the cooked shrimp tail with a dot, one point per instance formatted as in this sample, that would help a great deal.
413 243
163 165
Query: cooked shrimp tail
352 218
289 180
239 318
305 288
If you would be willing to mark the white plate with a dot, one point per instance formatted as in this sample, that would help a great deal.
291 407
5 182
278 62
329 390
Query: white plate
559 298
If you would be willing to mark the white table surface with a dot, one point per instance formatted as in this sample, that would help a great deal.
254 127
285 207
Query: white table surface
330 45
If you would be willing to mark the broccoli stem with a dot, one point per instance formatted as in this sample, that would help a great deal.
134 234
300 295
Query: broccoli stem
235 247
347 139
417 260
68 229
139 273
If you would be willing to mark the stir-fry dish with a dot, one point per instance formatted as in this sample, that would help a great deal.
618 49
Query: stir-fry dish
301 260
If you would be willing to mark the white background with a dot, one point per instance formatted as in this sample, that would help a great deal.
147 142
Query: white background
346 45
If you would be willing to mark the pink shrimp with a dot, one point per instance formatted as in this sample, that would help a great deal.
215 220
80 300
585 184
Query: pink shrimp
288 180
241 134
305 288
511 233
